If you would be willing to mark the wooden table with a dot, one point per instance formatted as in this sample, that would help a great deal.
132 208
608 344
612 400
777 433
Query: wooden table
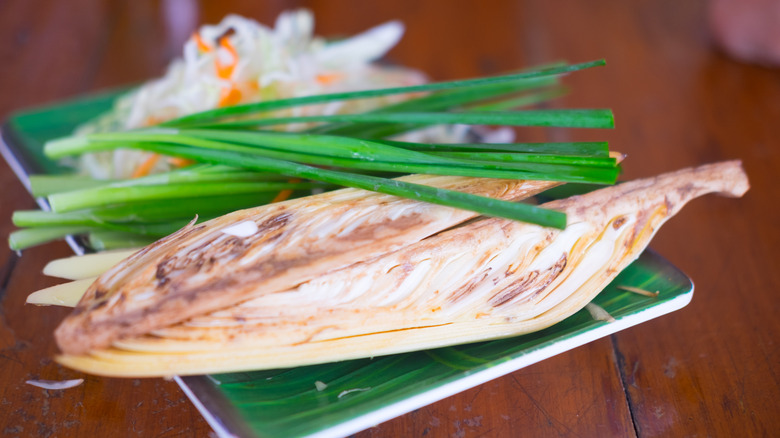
710 369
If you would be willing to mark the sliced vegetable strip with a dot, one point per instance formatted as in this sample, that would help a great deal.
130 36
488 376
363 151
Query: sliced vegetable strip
254 166
471 97
75 200
45 185
26 238
143 211
336 151
582 149
479 204
587 118
322 98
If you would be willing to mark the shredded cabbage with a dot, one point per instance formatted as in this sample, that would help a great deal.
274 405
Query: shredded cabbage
241 61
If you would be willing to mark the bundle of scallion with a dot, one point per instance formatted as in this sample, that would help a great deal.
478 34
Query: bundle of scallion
243 163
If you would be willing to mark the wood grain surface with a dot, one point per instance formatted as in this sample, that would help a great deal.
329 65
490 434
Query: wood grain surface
710 369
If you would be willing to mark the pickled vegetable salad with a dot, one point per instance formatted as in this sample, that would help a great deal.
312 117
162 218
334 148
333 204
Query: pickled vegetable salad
240 61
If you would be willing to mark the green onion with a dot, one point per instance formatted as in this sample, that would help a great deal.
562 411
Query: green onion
49 220
343 152
108 240
38 218
588 118
107 195
582 149
179 208
242 165
479 204
45 185
21 239
323 98
503 157
201 174
438 101
521 101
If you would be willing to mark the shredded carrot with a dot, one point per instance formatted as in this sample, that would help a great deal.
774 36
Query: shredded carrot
225 42
180 162
329 78
151 120
202 46
225 71
285 194
146 167
229 96
282 196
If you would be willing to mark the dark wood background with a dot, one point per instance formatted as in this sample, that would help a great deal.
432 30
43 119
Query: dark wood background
710 369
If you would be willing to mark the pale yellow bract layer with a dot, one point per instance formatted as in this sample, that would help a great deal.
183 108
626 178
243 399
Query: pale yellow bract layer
487 279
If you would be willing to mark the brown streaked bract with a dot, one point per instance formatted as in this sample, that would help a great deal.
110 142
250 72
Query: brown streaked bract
487 279
202 268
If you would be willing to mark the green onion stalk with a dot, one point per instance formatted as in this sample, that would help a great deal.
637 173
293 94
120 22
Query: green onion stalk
243 162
